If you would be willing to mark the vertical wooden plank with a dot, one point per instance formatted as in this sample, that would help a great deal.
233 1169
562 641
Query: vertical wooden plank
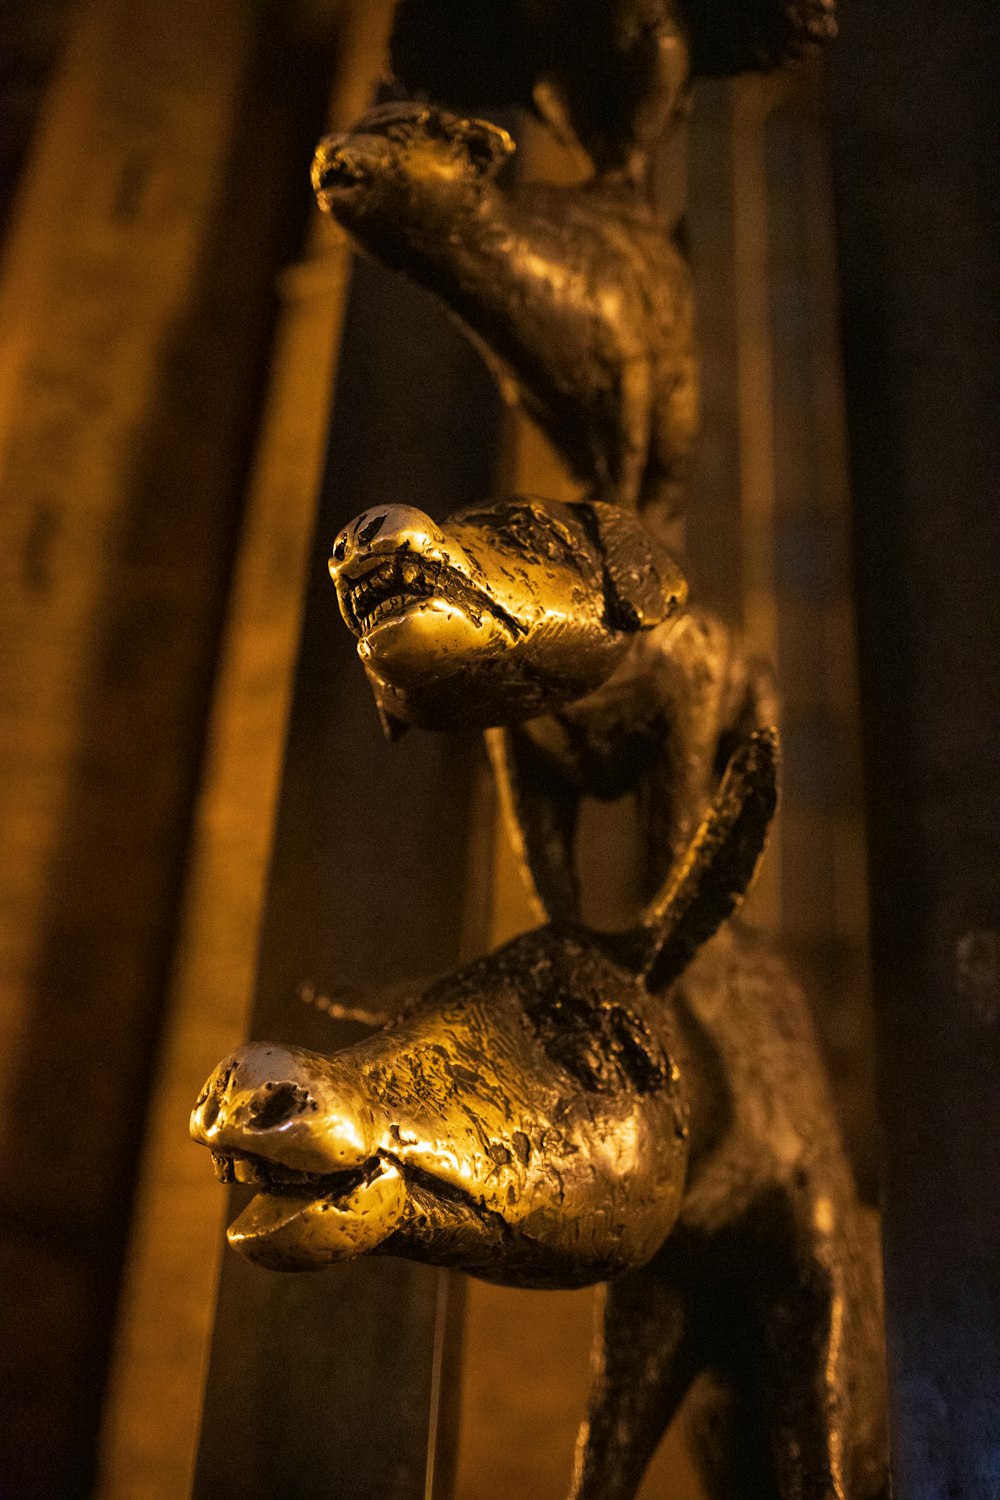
770 526
823 886
135 308
169 1296
32 35
166 1318
713 530
915 116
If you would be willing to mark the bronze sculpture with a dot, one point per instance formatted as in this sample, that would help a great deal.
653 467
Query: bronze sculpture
540 55
502 613
562 1111
578 297
659 729
523 1118
648 1106
562 629
541 58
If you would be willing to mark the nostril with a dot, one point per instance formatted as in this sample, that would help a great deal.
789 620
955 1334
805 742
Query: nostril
371 529
340 547
275 1103
210 1111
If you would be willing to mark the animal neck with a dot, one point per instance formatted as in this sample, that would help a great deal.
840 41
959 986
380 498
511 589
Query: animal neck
495 263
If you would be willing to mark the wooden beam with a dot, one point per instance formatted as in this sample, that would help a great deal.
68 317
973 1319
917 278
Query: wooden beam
136 303
165 1325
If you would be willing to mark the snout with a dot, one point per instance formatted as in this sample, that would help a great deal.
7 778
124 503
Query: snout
385 531
293 1123
399 578
343 163
287 1106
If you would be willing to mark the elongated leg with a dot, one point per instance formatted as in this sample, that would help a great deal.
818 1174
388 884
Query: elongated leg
628 461
728 1444
644 1361
540 812
822 1378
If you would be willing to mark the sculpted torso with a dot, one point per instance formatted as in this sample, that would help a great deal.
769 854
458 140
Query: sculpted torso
577 296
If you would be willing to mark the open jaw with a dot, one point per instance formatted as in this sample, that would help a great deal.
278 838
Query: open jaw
335 172
392 586
273 1177
303 1219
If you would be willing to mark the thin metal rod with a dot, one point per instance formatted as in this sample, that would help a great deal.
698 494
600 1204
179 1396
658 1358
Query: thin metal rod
437 1376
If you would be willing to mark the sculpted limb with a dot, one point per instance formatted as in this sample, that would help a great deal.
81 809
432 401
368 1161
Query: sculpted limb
727 1440
645 1356
661 727
820 1371
632 418
540 812
466 55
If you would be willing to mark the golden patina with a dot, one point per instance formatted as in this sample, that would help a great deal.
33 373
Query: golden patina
581 298
646 1107
502 612
524 1118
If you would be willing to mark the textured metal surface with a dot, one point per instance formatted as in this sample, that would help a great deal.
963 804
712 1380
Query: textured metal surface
569 618
579 297
524 1117
501 613
647 1106
555 1112
523 1120
541 56
659 729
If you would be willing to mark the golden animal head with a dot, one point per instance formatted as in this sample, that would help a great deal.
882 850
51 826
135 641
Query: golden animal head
500 613
402 166
524 1118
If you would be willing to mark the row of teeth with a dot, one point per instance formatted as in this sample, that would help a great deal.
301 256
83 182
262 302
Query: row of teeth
258 1171
386 607
336 169
369 599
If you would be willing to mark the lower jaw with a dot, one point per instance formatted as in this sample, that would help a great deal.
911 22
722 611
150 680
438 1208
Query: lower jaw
293 1232
283 1233
471 691
265 1214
